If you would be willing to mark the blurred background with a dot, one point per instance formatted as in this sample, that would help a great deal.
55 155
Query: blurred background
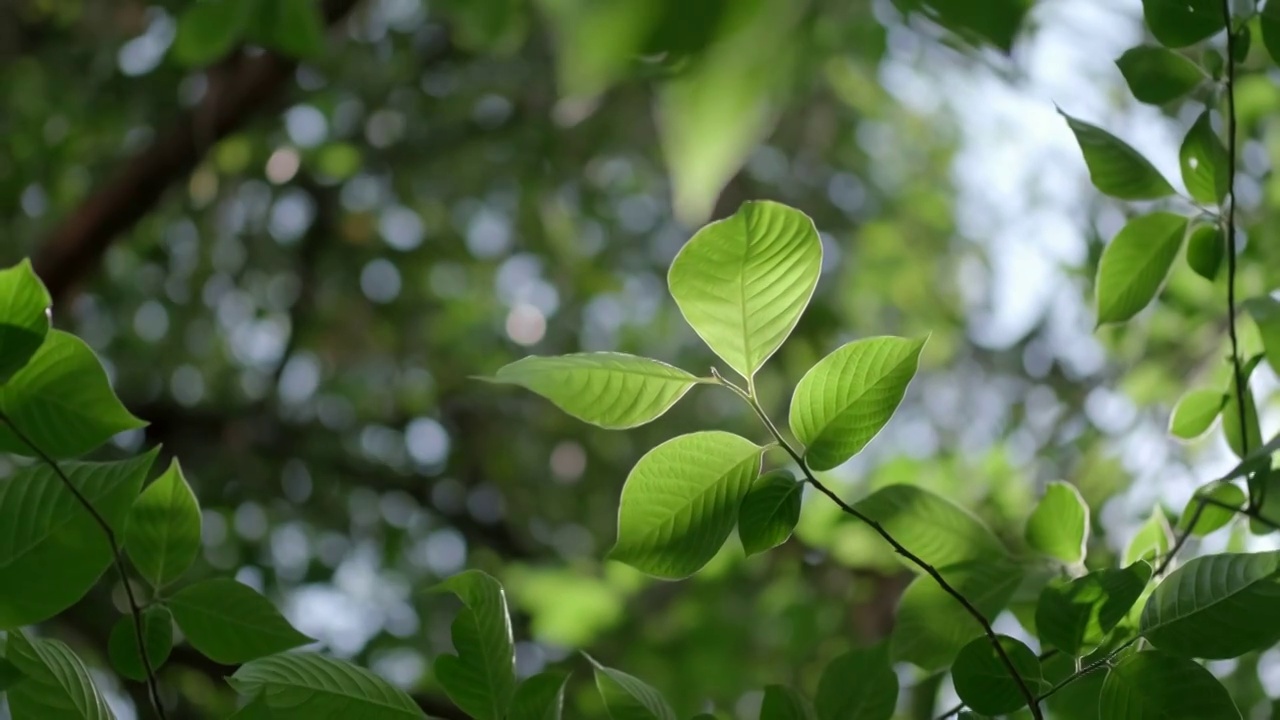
292 269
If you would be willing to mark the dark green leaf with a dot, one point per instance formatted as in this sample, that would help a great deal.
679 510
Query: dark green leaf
1157 76
1179 23
935 530
491 26
208 30
157 635
290 27
629 698
983 682
1077 615
858 685
308 686
1077 700
783 703
55 683
9 674
24 317
1241 441
1206 167
480 678
1205 250
769 512
1213 516
996 22
932 627
1195 413
1242 41
1265 311
1135 263
163 533
1270 22
1115 167
540 697
231 623
1155 685
1216 606
1059 526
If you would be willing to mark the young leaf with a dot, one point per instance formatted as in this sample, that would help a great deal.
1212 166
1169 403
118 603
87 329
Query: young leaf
61 401
481 677
1154 685
1077 615
55 683
209 30
24 317
540 697
1179 23
1115 167
743 282
611 390
783 703
303 686
931 627
1216 606
1195 413
934 529
629 698
1157 76
1059 526
983 682
163 533
844 400
231 623
49 535
681 500
1269 19
1213 516
1206 248
1265 311
1206 167
1251 437
157 635
1135 263
858 685
769 512
1154 538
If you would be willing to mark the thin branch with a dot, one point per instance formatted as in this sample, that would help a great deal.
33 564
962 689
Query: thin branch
898 547
1087 669
153 686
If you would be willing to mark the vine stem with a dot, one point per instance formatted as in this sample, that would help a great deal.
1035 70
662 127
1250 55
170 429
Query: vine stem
153 686
1241 386
898 547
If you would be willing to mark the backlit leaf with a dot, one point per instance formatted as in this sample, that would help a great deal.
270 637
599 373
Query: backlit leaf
858 685
1195 413
934 529
783 703
24 317
1213 516
629 698
1206 167
55 683
1059 525
1179 23
932 627
231 623
480 678
208 30
1241 441
309 686
1206 247
1075 616
769 512
1157 76
983 682
291 27
157 635
1153 539
1265 311
162 537
1154 685
1115 167
1135 263
540 697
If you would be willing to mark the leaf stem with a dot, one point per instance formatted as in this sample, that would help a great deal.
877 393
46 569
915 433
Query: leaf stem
898 547
1087 669
153 686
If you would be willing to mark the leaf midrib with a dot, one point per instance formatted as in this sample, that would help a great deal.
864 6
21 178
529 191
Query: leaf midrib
1213 603
827 427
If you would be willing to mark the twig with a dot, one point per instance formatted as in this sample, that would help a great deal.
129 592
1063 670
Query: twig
897 546
1087 669
153 686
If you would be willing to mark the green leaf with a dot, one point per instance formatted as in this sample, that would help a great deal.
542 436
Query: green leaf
994 21
1269 20
231 623
309 686
931 627
1265 311
1153 539
1155 685
1216 606
55 685
481 677
290 27
1079 699
783 703
1206 248
49 535
540 697
1059 526
496 27
1077 615
611 390
1213 516
681 501
983 682
24 317
157 635
769 512
629 698
743 282
1115 167
934 529
209 30
1179 23
1135 263
858 685
844 400
1195 413
9 674
61 401
1206 167
1239 441
163 533
1157 76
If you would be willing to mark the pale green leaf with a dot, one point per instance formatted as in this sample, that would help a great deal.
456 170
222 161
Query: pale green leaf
1059 525
1213 516
629 698
162 536
61 401
49 535
231 623
1265 311
845 400
1195 413
209 30
742 282
783 703
983 682
934 529
681 501
1157 76
1241 441
1206 167
1216 606
308 686
1076 616
1115 168
1153 539
540 697
24 317
769 512
858 685
157 636
1206 247
611 390
931 627
480 678
1135 263
595 42
1179 23
55 685
1155 685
